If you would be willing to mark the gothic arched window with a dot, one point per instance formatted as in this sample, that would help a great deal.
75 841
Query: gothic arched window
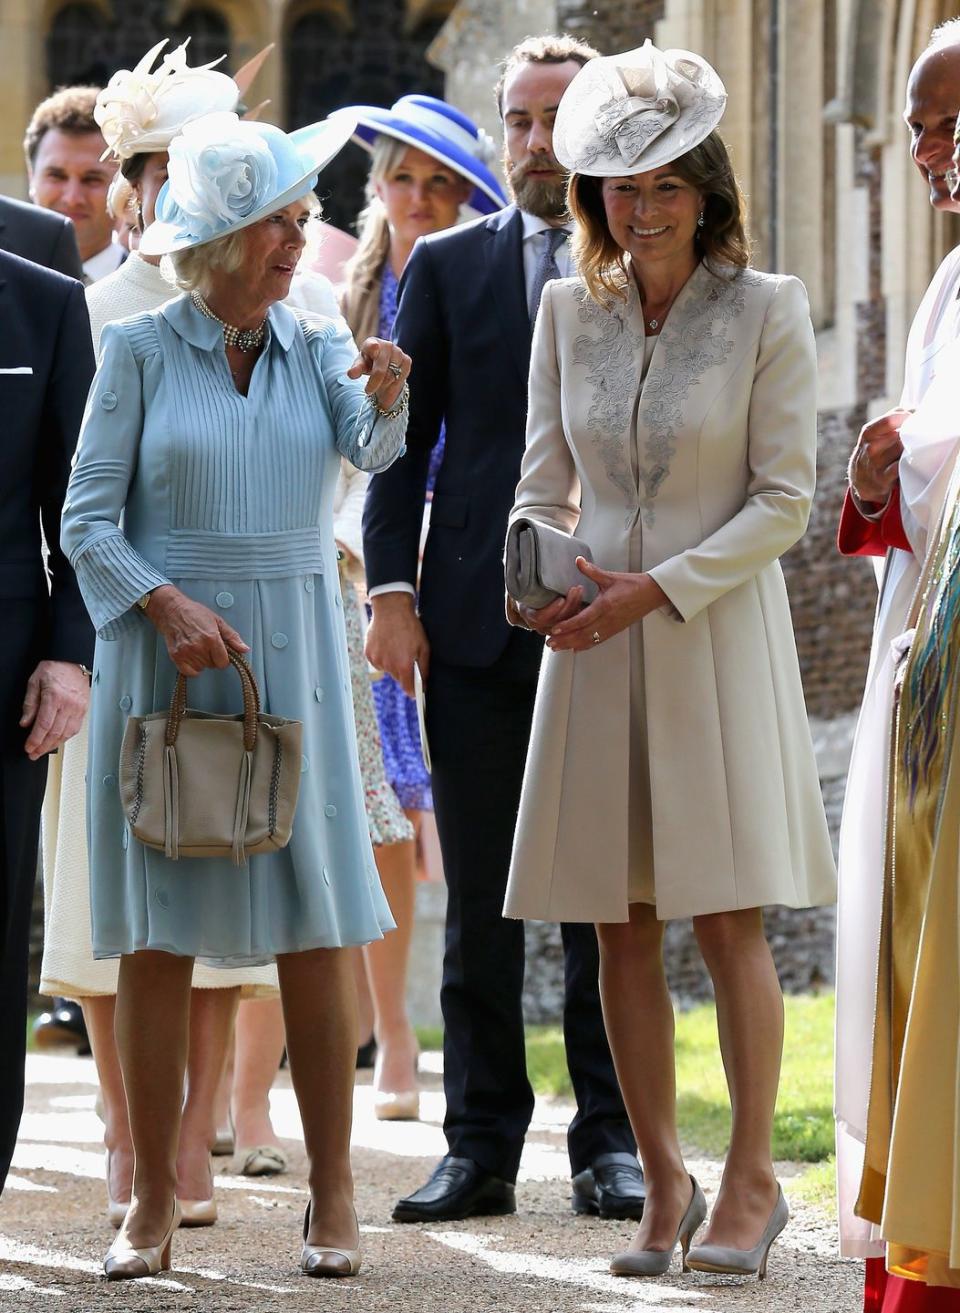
77 48
374 62
209 34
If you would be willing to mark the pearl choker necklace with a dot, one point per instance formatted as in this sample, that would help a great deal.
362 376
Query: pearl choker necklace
244 339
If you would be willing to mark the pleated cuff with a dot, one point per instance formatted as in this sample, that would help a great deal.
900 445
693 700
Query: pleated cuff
112 576
377 442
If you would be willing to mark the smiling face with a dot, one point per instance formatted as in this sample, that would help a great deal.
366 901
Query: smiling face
653 215
421 196
68 177
536 178
933 100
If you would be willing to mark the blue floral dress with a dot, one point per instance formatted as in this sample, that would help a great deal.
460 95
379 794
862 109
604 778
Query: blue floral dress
396 713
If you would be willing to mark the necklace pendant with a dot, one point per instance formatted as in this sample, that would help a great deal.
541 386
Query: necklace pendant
653 323
248 338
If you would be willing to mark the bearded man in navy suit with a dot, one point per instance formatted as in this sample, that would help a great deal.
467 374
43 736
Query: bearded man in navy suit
467 301
46 364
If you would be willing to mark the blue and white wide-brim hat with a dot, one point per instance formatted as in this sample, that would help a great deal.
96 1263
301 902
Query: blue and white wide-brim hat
433 126
625 114
226 173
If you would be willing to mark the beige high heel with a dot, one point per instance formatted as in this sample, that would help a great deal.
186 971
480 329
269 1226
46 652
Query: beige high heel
325 1260
742 1262
655 1262
198 1212
116 1209
395 1105
125 1263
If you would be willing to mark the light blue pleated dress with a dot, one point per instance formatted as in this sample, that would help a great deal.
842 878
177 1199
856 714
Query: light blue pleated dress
180 479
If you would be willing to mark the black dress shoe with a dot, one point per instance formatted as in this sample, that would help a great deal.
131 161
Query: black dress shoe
367 1054
458 1188
611 1187
62 1027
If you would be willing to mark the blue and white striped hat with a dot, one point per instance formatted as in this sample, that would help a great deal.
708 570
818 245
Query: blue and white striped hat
448 135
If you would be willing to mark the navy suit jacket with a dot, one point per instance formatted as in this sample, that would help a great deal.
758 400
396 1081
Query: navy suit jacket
464 322
39 235
45 336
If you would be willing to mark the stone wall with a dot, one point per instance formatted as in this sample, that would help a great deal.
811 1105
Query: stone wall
615 25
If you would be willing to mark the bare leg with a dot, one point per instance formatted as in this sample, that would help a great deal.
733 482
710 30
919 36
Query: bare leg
387 960
750 1024
98 1014
365 1018
320 1013
212 1012
259 1047
152 1026
638 1015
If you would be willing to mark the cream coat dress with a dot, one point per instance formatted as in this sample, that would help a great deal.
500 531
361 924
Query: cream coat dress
702 476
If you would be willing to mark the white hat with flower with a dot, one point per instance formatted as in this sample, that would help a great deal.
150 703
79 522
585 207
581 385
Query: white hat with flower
637 111
140 111
225 173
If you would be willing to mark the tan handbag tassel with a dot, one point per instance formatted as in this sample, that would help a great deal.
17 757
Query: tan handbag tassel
171 803
243 808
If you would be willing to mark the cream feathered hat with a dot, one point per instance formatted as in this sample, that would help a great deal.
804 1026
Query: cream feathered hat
140 111
628 113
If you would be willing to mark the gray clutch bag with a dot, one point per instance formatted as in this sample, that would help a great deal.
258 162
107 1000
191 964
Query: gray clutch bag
541 564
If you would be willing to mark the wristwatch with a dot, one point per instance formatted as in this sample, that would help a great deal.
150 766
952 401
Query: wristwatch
85 670
144 601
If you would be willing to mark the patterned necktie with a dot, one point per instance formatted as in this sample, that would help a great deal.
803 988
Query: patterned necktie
546 266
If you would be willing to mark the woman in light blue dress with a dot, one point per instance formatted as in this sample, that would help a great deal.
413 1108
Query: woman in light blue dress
199 518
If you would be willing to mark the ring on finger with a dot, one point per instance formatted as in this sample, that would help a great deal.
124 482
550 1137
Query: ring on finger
395 369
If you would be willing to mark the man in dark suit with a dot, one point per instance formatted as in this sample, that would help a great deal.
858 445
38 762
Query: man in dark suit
39 235
467 302
46 364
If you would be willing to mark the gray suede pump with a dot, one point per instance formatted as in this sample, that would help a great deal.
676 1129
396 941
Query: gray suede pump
742 1262
655 1262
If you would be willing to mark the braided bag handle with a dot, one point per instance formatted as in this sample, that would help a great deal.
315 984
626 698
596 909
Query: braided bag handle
251 704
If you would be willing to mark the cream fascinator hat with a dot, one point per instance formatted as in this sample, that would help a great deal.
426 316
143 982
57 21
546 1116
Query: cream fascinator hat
140 111
628 113
225 173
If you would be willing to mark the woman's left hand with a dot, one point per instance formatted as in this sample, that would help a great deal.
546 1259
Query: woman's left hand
622 601
387 367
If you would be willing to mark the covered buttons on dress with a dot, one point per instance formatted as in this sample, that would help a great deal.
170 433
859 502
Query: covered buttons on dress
279 640
224 599
109 401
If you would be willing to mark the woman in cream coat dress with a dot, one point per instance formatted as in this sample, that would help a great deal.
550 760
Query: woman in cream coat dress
672 427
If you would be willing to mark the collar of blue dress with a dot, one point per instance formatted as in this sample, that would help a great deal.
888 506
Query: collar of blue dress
186 320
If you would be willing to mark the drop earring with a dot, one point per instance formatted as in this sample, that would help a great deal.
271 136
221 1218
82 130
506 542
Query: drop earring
700 220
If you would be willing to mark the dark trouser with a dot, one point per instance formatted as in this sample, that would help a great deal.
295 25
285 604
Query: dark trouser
21 797
478 724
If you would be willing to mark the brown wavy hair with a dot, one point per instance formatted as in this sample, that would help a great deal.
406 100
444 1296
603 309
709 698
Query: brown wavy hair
601 263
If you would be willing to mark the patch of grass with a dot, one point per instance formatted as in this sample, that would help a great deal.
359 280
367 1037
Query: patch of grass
803 1127
817 1184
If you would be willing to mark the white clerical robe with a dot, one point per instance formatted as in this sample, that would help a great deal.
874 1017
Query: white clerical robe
925 468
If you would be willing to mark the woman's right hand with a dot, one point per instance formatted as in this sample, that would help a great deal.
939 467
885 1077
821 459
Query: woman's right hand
543 618
196 637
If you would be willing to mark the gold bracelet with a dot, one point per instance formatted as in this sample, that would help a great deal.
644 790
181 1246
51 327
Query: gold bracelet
403 402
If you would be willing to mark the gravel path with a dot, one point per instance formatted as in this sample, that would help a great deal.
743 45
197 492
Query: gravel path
53 1230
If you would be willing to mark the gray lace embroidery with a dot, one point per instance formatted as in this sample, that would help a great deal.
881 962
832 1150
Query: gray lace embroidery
696 341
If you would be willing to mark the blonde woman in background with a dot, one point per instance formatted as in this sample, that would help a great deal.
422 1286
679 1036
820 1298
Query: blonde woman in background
429 168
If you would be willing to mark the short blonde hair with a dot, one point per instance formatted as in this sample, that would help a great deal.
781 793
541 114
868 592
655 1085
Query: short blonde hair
192 268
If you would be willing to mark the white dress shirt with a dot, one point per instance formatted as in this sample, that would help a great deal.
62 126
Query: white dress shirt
532 248
103 263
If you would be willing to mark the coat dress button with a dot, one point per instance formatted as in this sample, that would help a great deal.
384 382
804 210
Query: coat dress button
109 781
279 640
109 401
224 599
304 765
318 693
308 585
330 811
126 702
326 875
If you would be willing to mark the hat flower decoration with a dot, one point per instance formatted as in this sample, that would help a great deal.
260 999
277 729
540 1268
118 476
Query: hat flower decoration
140 110
218 172
637 111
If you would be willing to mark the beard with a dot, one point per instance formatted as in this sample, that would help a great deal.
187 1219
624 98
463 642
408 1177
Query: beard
542 198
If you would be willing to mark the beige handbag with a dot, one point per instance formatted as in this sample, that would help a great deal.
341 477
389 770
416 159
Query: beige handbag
198 784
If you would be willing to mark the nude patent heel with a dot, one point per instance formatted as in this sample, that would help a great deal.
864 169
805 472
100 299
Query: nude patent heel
125 1263
326 1260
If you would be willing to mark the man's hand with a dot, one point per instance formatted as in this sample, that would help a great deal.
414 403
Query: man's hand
196 637
874 465
55 704
396 639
